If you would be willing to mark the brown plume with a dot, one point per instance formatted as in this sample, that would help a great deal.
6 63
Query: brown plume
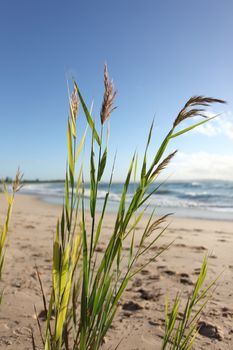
74 103
109 95
188 112
163 164
17 183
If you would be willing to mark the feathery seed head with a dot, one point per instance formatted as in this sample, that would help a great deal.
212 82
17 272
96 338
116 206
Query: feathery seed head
163 164
156 224
109 96
188 112
16 185
74 103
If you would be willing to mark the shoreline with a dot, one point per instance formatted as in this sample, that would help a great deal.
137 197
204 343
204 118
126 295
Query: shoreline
30 243
161 211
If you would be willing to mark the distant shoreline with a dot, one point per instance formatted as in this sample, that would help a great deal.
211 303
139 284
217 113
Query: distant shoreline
174 215
8 180
198 199
195 199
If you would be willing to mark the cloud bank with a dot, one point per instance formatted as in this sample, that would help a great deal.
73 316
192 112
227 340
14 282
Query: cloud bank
202 165
222 125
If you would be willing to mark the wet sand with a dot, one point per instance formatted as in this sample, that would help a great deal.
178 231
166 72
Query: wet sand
140 318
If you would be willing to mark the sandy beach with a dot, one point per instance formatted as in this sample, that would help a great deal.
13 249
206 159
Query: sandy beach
140 318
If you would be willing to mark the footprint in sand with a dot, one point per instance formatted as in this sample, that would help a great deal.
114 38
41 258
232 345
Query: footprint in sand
137 282
30 226
169 272
184 275
43 315
213 256
180 245
197 271
186 280
25 246
209 330
99 249
154 323
148 294
227 312
132 306
154 277
145 272
199 248
36 255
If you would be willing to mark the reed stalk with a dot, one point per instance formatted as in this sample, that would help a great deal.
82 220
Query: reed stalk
180 333
9 196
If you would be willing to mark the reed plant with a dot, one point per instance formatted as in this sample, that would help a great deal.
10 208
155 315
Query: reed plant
9 196
87 285
181 328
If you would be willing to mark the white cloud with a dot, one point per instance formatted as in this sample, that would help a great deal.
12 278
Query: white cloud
222 125
202 165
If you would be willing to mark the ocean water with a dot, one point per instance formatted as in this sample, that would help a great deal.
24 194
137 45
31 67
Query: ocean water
199 199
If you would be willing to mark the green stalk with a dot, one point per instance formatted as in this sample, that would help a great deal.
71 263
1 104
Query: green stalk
72 188
95 197
16 186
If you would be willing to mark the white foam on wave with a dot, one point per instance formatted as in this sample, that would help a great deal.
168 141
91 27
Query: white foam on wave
171 197
43 189
195 184
102 194
197 194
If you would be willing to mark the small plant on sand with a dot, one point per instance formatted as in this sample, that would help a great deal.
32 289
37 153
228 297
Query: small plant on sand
88 284
180 332
16 185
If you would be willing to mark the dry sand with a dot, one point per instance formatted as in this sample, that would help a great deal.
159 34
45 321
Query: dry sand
139 321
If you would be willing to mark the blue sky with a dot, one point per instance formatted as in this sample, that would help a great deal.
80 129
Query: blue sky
159 54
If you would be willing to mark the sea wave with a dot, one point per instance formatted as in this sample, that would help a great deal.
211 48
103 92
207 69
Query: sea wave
207 195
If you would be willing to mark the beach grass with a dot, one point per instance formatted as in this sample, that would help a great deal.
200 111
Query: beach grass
86 285
180 332
9 196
